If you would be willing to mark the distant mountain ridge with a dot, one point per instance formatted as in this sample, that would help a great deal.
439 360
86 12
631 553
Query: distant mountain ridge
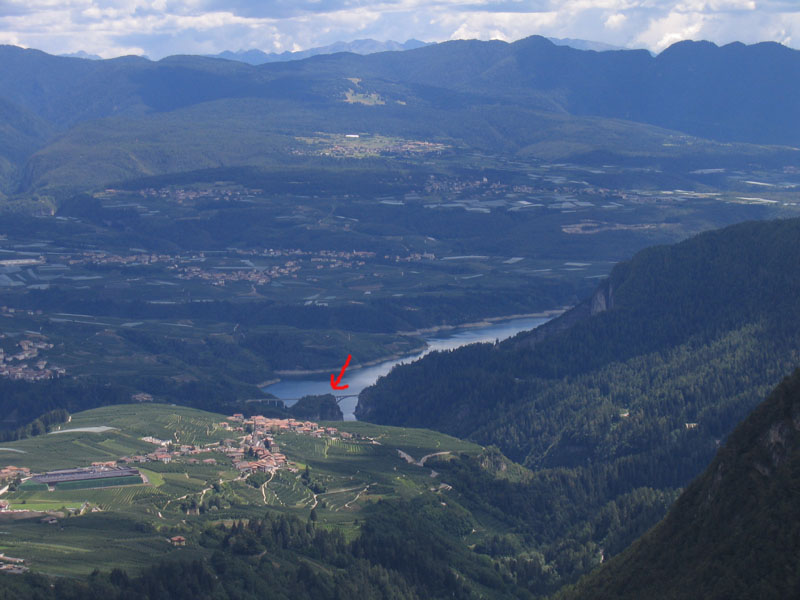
254 56
530 98
82 54
579 44
365 46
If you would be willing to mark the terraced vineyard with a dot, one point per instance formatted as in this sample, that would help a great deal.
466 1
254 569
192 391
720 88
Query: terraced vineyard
174 423
132 523
289 492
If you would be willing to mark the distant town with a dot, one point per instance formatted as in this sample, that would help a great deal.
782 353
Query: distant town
22 363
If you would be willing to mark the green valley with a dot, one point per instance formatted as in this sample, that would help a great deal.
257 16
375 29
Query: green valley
181 239
197 288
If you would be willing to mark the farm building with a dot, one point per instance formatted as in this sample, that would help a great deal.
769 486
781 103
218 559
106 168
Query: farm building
102 476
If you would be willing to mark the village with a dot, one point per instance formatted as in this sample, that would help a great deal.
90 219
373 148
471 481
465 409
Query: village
247 444
16 366
213 267
257 451
359 145
254 451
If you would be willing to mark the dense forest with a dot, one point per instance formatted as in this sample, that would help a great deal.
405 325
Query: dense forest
23 403
397 555
734 532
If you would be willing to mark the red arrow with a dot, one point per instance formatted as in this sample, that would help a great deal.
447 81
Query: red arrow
335 382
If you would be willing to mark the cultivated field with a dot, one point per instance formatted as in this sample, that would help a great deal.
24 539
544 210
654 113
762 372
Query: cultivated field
129 526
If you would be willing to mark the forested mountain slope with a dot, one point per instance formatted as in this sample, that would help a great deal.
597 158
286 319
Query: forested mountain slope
734 92
696 87
637 387
735 531
689 333
113 119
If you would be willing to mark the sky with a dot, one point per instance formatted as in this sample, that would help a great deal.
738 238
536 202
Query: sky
159 28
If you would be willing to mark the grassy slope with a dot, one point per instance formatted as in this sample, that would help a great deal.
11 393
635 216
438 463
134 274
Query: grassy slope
135 521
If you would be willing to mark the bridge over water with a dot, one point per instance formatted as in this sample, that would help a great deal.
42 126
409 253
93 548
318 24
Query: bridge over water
290 401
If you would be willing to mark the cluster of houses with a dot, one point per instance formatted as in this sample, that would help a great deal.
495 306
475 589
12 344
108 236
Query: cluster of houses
182 195
261 424
10 473
353 145
14 366
263 275
257 450
101 257
258 276
164 454
413 257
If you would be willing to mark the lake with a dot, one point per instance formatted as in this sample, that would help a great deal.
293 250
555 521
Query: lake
290 390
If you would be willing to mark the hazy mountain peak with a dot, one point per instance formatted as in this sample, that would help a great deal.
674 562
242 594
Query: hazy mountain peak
579 44
82 54
365 46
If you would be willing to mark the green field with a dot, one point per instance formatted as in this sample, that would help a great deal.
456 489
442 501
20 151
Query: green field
129 525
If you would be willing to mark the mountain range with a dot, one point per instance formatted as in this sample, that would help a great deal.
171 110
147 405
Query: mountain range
367 46
254 56
70 123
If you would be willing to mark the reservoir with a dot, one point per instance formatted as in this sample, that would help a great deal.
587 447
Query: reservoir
290 390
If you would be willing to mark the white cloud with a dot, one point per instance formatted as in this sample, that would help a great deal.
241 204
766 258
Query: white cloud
705 6
506 26
615 21
675 27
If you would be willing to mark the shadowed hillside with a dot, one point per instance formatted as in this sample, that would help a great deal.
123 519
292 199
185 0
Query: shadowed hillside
734 532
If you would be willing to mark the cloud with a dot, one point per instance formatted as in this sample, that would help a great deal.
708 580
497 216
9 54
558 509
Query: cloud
670 29
507 26
162 27
615 21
